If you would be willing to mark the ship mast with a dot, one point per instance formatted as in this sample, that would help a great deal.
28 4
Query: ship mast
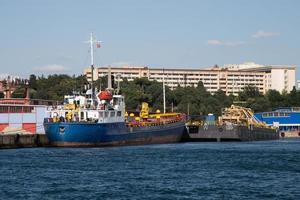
92 41
92 62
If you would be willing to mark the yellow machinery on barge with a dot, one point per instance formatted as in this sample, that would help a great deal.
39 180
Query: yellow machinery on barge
239 115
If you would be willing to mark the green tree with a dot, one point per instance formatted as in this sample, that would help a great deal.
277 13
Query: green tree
259 104
19 93
275 98
293 98
32 82
249 92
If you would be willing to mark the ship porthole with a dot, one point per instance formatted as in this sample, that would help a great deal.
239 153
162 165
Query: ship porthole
282 134
61 129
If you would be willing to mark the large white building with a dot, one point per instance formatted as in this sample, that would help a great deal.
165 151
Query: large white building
277 77
229 78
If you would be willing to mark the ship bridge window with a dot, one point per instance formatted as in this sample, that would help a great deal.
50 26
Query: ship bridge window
119 113
106 114
101 114
112 114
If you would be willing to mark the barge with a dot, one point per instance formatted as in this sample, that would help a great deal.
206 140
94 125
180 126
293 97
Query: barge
235 124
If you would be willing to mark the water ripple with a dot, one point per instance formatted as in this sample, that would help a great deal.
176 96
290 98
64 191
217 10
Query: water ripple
253 170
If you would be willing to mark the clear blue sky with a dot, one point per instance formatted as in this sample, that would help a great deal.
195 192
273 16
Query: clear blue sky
46 36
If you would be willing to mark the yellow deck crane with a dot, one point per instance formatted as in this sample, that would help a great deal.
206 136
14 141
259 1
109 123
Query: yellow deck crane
241 116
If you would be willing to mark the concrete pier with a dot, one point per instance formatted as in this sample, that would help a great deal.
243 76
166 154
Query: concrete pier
23 140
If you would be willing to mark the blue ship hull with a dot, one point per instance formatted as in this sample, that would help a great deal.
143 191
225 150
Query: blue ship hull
111 134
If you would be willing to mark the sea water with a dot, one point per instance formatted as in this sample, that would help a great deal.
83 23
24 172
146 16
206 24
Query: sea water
233 170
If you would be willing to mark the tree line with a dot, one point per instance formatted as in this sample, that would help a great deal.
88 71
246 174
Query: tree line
191 100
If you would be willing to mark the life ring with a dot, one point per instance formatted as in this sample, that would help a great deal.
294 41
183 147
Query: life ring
61 129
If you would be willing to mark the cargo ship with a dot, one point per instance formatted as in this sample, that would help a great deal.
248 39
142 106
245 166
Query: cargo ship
235 124
100 119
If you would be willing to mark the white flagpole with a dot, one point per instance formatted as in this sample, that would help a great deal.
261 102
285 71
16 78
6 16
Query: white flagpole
164 91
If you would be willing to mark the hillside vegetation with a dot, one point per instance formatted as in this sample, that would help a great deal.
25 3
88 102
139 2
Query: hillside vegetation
189 99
